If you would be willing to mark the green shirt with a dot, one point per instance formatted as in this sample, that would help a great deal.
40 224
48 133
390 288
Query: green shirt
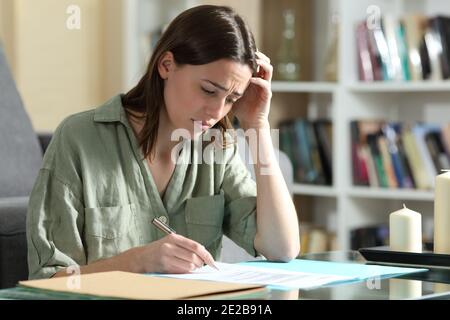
95 197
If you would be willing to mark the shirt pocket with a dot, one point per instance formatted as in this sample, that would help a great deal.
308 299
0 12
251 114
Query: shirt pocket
109 231
204 218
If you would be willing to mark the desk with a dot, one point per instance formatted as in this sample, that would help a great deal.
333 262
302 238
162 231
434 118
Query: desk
433 284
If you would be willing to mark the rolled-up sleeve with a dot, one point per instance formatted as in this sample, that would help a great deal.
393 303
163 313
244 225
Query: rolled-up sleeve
240 203
55 214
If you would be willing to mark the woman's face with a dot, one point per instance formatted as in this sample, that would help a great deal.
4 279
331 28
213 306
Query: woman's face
203 94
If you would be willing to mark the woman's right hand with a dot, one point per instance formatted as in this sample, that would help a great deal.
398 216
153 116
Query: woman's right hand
173 254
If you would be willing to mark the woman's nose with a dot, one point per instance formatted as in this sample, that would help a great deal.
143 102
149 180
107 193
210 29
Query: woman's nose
215 109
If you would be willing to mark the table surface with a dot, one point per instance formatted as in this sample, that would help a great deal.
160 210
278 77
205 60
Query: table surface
432 284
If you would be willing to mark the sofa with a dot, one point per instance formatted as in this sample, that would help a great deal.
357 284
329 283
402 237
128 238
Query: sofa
21 151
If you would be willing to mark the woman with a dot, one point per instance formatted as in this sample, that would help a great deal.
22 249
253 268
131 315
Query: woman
109 171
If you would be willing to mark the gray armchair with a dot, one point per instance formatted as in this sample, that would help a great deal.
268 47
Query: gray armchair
20 160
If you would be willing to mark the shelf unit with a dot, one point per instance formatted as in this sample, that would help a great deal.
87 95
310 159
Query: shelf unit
340 207
305 87
311 190
380 193
424 86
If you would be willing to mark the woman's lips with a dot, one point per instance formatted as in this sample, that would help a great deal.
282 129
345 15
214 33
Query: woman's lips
203 124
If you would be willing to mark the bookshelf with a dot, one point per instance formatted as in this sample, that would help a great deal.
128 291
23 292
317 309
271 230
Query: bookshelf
408 101
341 207
381 193
443 86
311 190
304 86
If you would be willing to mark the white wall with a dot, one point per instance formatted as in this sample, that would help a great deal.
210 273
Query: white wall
58 71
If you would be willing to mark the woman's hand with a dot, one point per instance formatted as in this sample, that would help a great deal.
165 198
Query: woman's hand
253 108
173 254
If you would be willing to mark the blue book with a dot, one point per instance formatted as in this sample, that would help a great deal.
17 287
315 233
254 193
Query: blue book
303 151
391 137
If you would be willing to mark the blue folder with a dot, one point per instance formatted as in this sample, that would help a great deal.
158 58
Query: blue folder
357 271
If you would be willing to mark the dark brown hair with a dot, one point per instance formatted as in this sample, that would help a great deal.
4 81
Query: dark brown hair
197 36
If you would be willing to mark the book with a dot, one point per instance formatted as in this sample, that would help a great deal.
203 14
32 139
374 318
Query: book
437 151
414 25
365 61
403 50
323 131
315 239
315 155
286 143
445 36
391 26
355 155
392 131
372 141
318 241
420 130
382 47
359 161
417 165
445 138
309 174
434 48
387 162
375 56
308 145
371 170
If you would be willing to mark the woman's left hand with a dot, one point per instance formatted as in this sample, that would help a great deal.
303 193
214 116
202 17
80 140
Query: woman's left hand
253 108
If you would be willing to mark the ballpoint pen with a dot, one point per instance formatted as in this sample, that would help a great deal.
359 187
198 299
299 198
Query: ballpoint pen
168 230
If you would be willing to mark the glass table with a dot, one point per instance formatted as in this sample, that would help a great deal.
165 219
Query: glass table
432 284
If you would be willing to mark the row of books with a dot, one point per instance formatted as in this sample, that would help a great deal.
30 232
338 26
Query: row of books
308 144
316 239
398 155
414 47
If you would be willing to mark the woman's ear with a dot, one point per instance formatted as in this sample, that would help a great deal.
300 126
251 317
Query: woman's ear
166 64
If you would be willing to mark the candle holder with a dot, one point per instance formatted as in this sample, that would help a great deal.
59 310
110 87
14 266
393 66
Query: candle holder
384 254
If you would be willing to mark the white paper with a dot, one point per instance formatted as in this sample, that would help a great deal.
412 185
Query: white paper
253 275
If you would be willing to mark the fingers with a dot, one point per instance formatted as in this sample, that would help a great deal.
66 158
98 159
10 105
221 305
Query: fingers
176 265
187 256
264 84
265 69
262 56
193 247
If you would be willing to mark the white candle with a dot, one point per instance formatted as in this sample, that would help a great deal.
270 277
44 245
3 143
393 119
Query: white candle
405 230
442 214
404 289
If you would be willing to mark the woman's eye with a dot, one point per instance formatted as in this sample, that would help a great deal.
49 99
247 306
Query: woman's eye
208 92
231 101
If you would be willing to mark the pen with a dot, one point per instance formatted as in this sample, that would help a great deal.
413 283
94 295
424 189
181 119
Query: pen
168 230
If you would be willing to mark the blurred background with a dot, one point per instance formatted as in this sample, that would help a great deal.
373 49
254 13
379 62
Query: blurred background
361 92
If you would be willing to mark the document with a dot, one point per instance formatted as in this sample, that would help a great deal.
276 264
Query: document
244 274
298 273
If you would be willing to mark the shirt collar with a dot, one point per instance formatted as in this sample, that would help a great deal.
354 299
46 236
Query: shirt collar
111 111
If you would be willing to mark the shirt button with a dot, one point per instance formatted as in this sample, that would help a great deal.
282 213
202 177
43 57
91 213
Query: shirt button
163 219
